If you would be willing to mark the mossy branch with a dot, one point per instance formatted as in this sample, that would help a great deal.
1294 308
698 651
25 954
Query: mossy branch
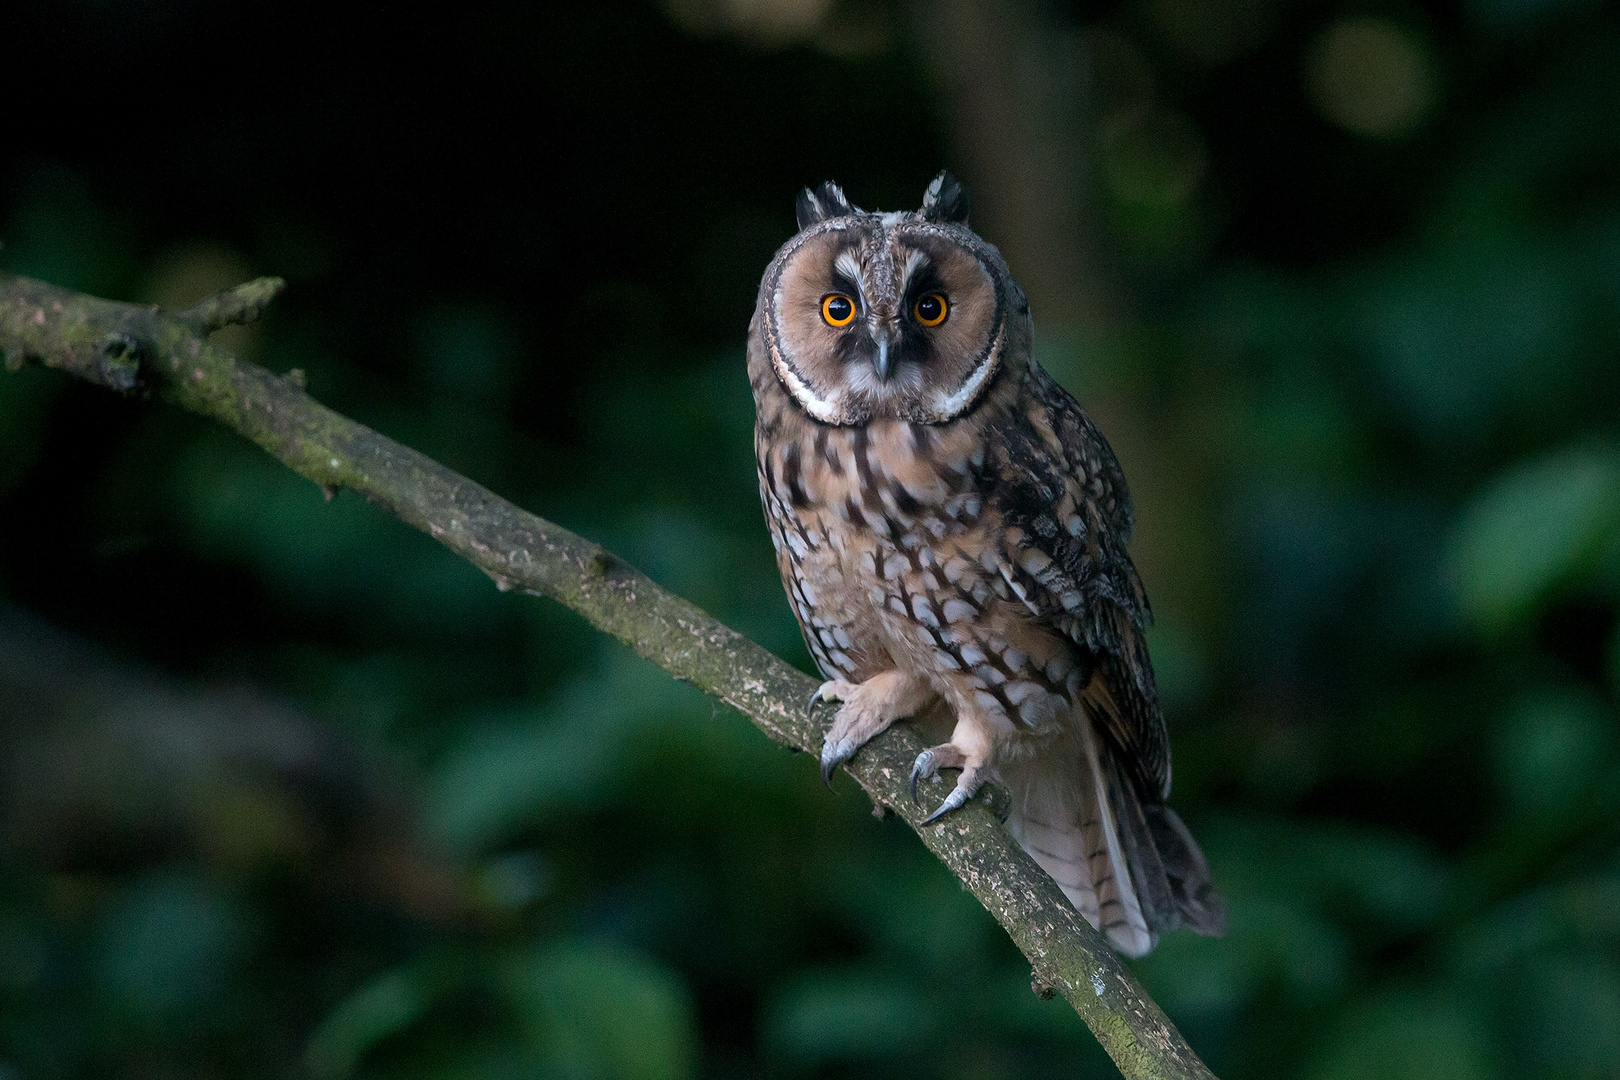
125 347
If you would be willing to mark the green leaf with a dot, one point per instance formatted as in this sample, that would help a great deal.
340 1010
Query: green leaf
1535 528
237 503
385 1006
1570 1002
848 1014
1408 1037
168 947
513 769
1549 750
600 1011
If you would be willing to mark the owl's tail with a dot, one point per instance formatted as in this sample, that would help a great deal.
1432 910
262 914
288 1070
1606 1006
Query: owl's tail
1132 870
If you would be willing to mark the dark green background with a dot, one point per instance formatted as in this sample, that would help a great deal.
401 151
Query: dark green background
286 790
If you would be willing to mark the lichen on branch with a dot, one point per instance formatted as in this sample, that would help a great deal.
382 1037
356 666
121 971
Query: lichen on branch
127 348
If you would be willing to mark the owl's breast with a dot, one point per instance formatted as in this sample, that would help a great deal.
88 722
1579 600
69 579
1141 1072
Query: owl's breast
864 520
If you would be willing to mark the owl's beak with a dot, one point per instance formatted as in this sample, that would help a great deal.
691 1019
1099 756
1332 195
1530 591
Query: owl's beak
883 365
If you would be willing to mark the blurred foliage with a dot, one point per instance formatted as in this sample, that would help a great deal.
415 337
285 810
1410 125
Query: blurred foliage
287 790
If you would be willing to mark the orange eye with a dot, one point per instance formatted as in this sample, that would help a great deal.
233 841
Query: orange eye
837 309
931 310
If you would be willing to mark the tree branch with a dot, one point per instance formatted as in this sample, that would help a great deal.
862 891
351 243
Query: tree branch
125 347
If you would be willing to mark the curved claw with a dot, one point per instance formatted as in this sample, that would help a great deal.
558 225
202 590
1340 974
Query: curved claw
827 691
923 767
954 801
832 754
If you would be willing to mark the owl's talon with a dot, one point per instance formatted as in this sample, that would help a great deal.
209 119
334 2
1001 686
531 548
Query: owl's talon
954 801
924 766
935 758
834 753
868 709
831 690
967 785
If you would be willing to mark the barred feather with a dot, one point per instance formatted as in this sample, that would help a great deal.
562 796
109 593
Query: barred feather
1065 812
1128 865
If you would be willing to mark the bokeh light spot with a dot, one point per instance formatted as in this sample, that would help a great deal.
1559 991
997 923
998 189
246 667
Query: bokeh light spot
1374 78
1154 160
767 23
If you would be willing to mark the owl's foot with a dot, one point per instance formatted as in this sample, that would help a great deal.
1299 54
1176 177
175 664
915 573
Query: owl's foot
867 711
948 756
831 690
930 761
834 748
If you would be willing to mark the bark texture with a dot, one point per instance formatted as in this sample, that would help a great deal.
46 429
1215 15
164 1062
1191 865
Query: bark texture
128 348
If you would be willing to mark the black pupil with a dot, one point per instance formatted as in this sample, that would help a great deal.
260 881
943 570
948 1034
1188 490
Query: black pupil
928 308
838 308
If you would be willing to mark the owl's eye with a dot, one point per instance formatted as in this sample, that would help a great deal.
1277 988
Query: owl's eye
931 310
837 309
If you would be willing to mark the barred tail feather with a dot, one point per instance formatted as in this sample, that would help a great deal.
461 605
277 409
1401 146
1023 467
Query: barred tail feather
1124 922
1064 814
1132 869
1193 895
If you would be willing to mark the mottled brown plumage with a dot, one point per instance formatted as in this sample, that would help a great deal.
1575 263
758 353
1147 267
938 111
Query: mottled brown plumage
951 530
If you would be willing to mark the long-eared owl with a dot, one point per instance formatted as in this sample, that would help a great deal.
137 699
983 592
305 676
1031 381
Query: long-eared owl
951 530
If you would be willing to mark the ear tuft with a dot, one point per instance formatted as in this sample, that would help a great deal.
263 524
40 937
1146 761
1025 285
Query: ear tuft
826 201
945 201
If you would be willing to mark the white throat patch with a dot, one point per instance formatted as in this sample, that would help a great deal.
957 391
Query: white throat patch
949 405
819 407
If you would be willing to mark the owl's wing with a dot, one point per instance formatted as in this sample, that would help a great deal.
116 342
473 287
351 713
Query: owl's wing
1059 488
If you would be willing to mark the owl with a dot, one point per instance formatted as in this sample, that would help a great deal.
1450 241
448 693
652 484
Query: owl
951 530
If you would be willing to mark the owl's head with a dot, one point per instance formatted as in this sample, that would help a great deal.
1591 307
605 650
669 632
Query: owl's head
906 315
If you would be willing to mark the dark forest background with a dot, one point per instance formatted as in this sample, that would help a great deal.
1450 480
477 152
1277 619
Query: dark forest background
288 791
